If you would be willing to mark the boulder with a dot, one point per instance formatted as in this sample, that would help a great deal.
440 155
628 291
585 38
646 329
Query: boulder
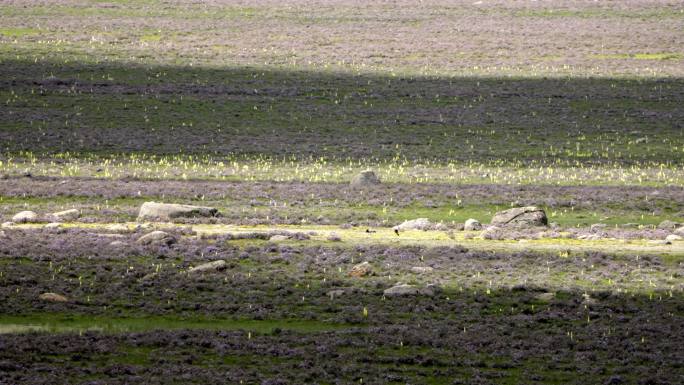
53 297
406 290
157 238
415 224
521 217
169 211
209 266
365 178
25 217
668 225
66 215
361 270
472 225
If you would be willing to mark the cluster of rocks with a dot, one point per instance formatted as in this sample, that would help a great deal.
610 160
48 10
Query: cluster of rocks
32 217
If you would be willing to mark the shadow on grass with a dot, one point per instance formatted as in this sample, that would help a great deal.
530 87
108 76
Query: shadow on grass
108 109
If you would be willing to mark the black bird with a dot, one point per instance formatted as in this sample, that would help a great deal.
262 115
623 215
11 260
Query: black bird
396 231
370 231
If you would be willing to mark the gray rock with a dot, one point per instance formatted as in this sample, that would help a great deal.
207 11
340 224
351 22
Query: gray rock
679 231
545 297
365 178
407 290
668 225
6 225
472 225
421 269
209 266
598 226
491 232
415 224
169 211
53 297
521 217
157 238
278 238
66 215
25 217
117 244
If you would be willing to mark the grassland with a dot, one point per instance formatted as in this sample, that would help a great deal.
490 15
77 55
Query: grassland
265 110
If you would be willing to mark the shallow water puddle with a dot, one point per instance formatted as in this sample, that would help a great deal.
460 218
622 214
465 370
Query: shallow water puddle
66 324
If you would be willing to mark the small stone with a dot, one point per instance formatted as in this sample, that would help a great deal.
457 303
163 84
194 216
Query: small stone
588 300
117 228
679 231
209 266
659 242
673 238
117 244
53 297
333 237
360 270
54 227
279 238
66 215
472 225
598 226
157 238
25 217
422 269
336 293
365 178
407 290
6 225
545 297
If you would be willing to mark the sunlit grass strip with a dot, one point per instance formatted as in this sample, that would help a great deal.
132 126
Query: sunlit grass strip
396 170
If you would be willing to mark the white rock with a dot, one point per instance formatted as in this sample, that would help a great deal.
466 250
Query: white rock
415 224
25 217
278 238
167 211
66 215
421 269
472 225
673 238
209 266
